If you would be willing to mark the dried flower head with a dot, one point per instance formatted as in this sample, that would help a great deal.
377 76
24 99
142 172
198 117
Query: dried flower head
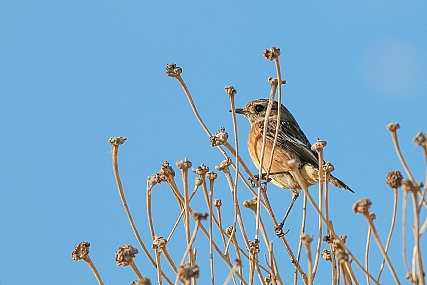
217 203
186 271
318 145
201 169
219 138
159 242
394 179
328 167
326 255
306 239
251 204
224 164
372 215
200 216
156 178
392 127
420 139
253 247
272 53
229 230
362 206
230 90
116 140
211 175
143 281
167 170
172 70
125 255
184 164
81 251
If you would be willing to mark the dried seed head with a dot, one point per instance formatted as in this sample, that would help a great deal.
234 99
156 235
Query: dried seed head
420 139
167 170
217 203
125 255
251 204
116 140
200 216
156 178
143 281
224 164
201 169
211 175
372 215
272 53
172 70
326 255
362 206
394 179
230 90
237 262
184 164
219 138
318 145
159 242
328 167
253 247
392 127
81 251
229 230
273 81
306 239
187 272
328 239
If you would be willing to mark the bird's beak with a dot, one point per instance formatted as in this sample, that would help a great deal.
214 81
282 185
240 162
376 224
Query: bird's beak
239 111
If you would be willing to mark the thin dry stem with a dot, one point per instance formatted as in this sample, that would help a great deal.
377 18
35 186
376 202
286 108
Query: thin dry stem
94 270
393 221
114 151
368 242
380 246
399 154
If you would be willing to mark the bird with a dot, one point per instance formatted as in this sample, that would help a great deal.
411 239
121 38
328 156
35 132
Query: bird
291 144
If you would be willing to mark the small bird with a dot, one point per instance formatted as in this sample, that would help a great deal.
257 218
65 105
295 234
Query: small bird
291 144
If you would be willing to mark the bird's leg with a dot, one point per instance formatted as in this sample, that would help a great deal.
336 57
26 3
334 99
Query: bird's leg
255 177
279 228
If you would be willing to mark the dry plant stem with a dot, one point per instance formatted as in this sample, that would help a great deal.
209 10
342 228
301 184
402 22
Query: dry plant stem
220 225
309 263
211 186
329 224
184 172
149 214
245 167
187 93
304 218
399 154
136 270
380 246
404 206
189 246
236 205
335 277
393 221
350 273
169 259
159 267
321 184
368 242
231 274
417 249
115 150
94 270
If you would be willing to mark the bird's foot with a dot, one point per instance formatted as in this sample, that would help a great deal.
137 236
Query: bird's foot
278 230
254 180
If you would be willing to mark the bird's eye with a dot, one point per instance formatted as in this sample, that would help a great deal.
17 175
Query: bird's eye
259 108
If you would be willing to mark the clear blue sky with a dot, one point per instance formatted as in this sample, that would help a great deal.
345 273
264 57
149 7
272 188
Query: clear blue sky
74 73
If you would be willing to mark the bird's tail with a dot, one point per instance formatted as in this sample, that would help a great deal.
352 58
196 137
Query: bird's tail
338 183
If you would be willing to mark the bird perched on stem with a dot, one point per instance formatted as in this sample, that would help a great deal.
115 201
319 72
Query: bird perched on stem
291 144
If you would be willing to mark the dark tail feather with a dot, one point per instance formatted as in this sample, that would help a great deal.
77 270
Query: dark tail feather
338 183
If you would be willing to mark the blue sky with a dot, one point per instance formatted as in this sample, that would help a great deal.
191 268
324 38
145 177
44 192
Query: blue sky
74 73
